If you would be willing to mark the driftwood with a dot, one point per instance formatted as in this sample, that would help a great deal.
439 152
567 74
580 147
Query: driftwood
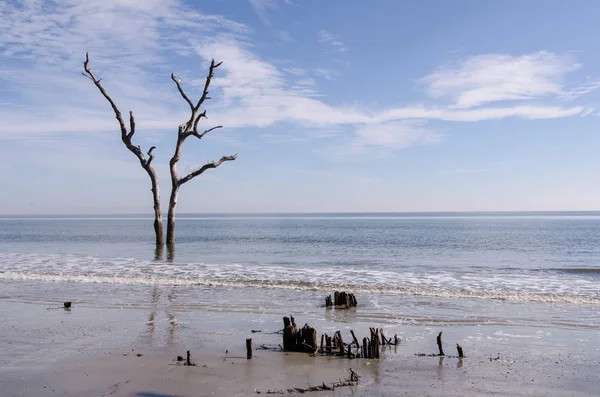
351 381
341 300
303 340
67 305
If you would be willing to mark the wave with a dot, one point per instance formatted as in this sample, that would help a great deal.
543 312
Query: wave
424 291
520 286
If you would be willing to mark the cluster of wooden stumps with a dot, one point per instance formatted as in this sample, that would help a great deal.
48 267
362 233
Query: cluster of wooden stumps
370 348
341 300
298 340
305 340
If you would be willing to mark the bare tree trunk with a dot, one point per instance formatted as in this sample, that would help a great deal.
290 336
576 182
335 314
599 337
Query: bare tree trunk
190 128
126 138
174 194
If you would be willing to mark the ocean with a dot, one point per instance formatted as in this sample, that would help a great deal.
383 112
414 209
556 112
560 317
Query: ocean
524 286
549 257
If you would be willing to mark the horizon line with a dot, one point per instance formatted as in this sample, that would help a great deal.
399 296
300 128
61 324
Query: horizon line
485 212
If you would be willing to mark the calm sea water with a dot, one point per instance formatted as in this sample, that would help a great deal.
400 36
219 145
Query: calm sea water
433 265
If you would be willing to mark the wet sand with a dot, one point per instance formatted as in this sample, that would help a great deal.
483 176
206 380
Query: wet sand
93 351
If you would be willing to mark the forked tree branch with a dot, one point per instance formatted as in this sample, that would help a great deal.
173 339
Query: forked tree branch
193 121
125 136
213 164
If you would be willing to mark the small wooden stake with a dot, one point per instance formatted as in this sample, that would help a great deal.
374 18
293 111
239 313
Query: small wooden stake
396 340
249 348
439 343
188 360
460 351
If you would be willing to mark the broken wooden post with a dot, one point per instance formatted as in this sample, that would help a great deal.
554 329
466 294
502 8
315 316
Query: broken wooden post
439 343
328 301
460 351
355 340
365 352
328 343
396 340
383 341
188 360
322 341
249 348
289 334
375 342
67 305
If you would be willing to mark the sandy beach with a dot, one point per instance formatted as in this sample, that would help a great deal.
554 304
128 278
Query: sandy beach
126 351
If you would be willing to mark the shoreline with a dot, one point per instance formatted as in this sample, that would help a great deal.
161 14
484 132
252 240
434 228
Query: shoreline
80 352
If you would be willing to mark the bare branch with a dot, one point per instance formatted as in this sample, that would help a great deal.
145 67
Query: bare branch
131 125
88 73
211 74
195 129
213 164
200 136
183 94
150 155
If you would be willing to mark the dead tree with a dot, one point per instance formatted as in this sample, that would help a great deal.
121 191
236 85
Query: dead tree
187 129
126 138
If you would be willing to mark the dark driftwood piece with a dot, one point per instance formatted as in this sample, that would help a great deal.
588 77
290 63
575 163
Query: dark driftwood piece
439 343
342 300
126 138
460 351
187 129
249 348
67 305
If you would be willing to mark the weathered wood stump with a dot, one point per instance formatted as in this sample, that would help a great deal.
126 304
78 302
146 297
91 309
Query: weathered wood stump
67 305
302 340
439 343
460 351
249 348
341 300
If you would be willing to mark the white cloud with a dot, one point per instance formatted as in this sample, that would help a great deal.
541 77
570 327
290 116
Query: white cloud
488 78
42 63
262 8
332 39
393 135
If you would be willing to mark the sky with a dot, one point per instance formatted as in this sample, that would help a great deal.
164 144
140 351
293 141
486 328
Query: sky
331 105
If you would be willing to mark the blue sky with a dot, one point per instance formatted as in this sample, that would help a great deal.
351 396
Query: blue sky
331 105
